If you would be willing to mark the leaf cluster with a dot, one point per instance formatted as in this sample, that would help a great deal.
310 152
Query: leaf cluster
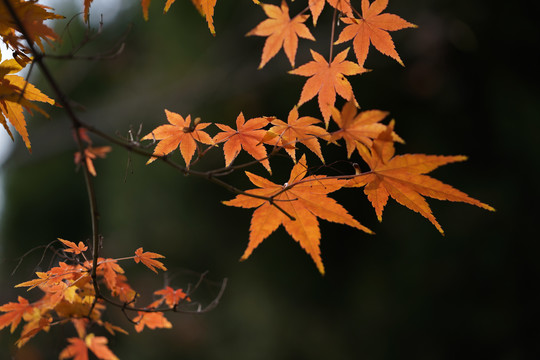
75 292
80 287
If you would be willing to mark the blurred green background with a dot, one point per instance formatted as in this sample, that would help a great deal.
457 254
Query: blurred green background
405 293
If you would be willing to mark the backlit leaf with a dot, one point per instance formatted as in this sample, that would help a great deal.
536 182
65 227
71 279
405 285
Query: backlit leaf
180 133
282 31
14 313
327 79
302 198
152 320
147 258
302 130
373 29
247 136
358 128
402 178
71 247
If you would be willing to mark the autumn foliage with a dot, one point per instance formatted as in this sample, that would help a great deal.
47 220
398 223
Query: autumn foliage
83 285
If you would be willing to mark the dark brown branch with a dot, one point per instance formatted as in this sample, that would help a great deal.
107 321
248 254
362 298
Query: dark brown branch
62 99
200 310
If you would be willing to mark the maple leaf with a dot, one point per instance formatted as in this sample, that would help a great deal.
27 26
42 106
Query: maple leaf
304 199
358 128
316 7
112 329
282 31
402 178
344 6
145 4
151 320
147 258
32 17
98 345
168 5
76 249
248 136
16 95
181 133
43 278
91 153
14 312
78 348
206 8
109 270
170 296
296 129
327 79
35 323
373 28
87 4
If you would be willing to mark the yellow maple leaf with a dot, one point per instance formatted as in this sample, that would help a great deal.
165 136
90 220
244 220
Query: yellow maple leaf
16 94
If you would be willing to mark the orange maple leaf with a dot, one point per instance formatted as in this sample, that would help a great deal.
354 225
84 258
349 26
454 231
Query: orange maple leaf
373 28
98 345
282 31
109 270
295 205
36 323
327 79
170 296
147 258
76 249
91 153
145 4
16 95
181 133
302 130
113 329
316 7
14 312
206 8
32 15
151 320
78 348
87 4
54 276
248 136
358 128
402 177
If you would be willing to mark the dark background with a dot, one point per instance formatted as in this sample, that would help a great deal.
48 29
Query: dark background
407 292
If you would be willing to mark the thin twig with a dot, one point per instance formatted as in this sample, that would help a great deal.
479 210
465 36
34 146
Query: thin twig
62 99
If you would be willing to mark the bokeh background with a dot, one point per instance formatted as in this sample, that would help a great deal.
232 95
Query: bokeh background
405 293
